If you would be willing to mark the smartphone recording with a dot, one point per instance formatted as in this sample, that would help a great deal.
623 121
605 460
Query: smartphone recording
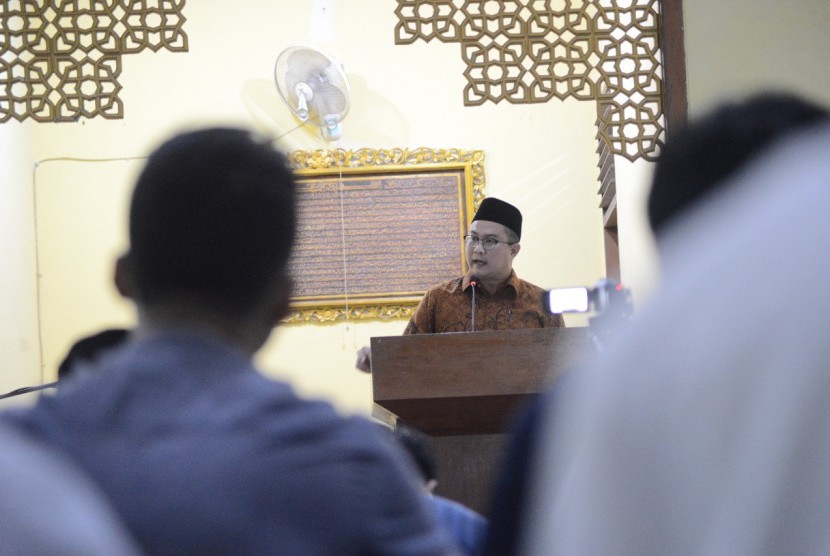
607 295
567 300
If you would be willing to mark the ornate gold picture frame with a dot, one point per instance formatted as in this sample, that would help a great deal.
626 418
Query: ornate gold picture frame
378 227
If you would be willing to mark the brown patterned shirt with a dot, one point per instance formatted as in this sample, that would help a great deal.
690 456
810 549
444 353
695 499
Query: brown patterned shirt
447 307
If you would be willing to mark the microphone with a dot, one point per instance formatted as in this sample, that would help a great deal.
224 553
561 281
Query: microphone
473 284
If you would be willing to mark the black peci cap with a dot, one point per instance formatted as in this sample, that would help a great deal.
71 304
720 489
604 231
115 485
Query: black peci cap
496 210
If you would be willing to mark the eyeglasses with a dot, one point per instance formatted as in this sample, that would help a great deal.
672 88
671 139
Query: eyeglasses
487 243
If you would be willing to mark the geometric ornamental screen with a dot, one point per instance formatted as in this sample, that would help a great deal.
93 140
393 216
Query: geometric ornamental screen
60 62
526 51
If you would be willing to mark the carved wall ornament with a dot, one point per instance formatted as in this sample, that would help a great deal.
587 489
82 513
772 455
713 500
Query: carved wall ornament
532 51
378 227
61 59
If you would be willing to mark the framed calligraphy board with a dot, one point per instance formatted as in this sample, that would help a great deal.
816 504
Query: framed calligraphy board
378 227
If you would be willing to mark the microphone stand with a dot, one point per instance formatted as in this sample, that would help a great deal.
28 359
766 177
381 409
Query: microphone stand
473 284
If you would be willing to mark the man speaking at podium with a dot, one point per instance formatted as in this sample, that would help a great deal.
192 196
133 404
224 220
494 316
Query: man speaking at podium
489 296
501 299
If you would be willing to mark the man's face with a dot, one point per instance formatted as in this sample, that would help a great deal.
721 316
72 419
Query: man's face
492 266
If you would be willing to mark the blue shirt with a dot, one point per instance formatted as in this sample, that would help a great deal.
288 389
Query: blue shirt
201 454
467 527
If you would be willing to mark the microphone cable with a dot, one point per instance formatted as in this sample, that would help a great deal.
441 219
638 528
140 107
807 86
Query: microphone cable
27 389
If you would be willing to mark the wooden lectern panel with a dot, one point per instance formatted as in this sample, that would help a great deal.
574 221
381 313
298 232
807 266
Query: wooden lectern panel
463 390
468 382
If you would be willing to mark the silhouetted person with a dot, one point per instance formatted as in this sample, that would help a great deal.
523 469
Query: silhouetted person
198 451
705 428
49 507
697 165
697 159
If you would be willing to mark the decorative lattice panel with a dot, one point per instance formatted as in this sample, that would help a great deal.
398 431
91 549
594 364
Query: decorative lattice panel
532 51
60 60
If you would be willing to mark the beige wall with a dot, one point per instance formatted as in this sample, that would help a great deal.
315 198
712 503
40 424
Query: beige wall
541 157
19 345
538 156
738 47
733 49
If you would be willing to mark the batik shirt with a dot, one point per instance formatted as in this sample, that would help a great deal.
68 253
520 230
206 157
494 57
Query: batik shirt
447 307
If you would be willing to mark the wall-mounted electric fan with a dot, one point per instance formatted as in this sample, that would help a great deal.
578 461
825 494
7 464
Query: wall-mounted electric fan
314 86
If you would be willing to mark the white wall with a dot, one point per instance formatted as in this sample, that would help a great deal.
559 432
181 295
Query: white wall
639 269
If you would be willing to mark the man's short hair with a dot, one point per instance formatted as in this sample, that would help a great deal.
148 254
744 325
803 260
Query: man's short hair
416 444
699 157
512 236
212 220
90 348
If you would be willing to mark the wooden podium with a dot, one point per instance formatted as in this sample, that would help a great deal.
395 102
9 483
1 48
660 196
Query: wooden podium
464 389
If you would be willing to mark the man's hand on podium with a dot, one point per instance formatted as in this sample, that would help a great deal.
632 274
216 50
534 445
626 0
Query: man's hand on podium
364 359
